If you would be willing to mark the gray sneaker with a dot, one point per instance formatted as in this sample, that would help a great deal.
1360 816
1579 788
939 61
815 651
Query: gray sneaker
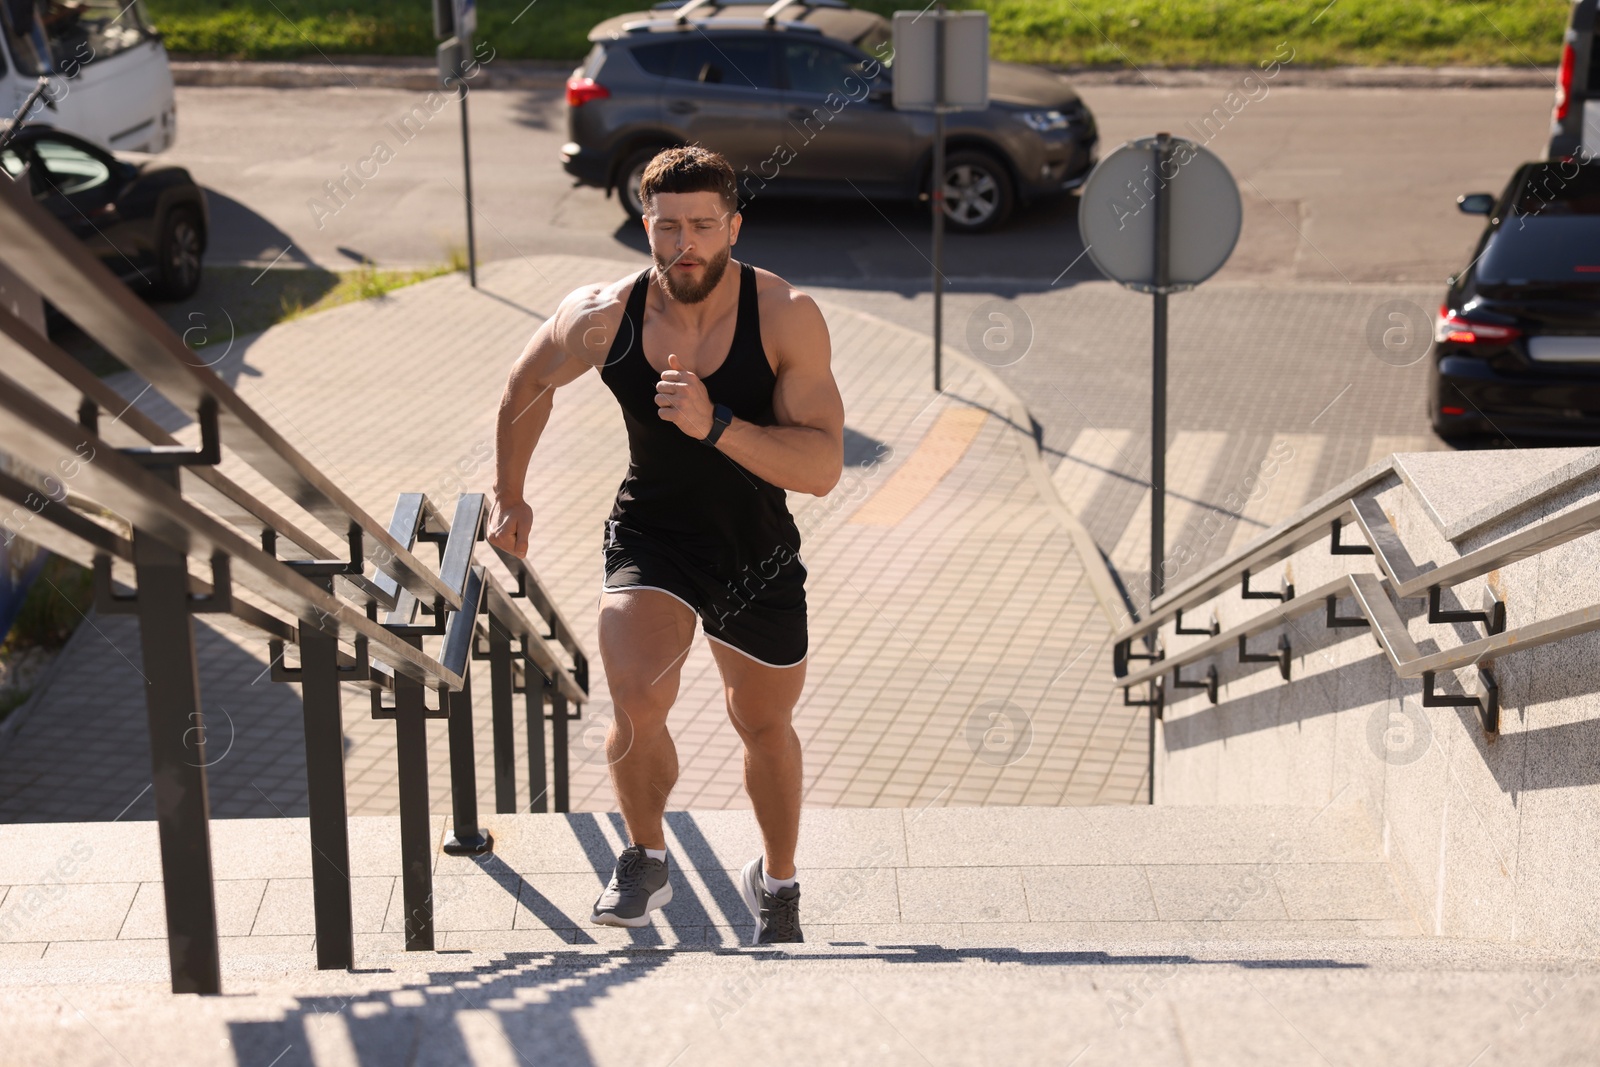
638 887
777 915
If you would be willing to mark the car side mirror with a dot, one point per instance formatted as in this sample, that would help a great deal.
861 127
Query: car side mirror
1476 203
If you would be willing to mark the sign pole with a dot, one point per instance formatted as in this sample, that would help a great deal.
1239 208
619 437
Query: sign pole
937 197
466 164
1158 391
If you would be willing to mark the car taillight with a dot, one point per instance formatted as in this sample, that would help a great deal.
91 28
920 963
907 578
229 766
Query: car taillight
582 90
1564 82
1460 330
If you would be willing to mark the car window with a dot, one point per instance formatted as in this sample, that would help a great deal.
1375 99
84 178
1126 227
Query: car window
878 41
82 31
656 58
1558 189
12 162
746 62
820 70
69 168
1551 232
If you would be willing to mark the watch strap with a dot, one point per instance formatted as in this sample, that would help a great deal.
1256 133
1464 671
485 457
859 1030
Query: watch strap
721 416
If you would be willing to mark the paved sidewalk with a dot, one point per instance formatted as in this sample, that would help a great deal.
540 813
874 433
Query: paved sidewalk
958 650
1275 395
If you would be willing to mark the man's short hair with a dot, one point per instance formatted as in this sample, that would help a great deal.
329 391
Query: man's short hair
690 169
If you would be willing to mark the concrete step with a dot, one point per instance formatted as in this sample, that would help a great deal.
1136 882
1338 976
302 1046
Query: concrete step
1133 935
946 875
1082 1003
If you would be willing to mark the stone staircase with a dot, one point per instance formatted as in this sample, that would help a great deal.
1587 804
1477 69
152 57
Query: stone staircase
1133 934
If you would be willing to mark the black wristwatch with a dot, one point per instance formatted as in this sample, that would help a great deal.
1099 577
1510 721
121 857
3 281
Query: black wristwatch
721 415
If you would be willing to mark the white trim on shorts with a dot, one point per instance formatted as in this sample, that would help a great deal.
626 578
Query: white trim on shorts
670 593
747 655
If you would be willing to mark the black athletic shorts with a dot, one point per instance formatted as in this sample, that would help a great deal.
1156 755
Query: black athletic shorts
763 615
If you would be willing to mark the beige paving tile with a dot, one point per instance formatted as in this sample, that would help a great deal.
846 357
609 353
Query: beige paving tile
237 903
55 912
962 894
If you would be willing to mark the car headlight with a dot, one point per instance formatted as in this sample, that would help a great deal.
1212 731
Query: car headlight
1045 121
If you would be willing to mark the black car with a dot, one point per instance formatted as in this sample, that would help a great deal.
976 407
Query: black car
798 96
1517 344
146 221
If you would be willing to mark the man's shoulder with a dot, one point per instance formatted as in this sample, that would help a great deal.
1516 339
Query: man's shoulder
589 317
596 293
780 298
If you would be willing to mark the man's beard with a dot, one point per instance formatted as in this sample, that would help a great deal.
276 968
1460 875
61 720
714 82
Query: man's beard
685 291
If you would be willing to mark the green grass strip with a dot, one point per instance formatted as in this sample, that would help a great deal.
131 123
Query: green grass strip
1156 33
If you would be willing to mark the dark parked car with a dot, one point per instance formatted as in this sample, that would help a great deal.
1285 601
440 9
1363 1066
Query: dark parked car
798 97
146 221
1575 121
1517 346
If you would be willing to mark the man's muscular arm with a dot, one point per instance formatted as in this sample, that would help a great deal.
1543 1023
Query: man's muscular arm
805 450
575 338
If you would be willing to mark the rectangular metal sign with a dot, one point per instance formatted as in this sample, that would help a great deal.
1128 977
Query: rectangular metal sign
965 60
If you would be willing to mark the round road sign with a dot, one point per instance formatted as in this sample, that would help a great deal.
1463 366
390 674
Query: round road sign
1117 213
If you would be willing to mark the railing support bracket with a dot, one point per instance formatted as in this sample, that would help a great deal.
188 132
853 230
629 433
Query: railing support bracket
1208 683
1487 701
1280 657
1195 631
1492 618
1339 549
1285 590
1337 621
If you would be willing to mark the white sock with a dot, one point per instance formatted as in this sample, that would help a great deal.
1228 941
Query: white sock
775 884
656 853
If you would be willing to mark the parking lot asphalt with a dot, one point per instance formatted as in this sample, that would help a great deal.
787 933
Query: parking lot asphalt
1344 185
1349 220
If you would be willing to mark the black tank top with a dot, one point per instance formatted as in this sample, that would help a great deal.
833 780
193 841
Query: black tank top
693 496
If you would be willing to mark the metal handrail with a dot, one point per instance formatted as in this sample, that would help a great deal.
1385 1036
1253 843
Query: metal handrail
1400 578
560 630
1407 578
174 527
51 374
1224 574
39 435
38 247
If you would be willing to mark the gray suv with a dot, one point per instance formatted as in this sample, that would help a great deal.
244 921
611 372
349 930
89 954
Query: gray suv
797 95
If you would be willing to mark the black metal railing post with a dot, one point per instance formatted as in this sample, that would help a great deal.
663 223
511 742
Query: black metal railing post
505 727
558 742
533 694
177 758
465 838
325 795
410 715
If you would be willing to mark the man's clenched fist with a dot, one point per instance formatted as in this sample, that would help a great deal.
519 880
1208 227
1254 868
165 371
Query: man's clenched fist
509 523
681 398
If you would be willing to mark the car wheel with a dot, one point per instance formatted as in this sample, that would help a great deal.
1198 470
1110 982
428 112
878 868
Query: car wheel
629 176
977 192
178 265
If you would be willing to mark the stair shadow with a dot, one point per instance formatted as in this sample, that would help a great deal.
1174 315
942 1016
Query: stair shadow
523 892
535 997
417 1023
719 883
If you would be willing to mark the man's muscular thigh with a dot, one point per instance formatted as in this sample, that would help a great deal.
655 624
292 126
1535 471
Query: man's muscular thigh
645 635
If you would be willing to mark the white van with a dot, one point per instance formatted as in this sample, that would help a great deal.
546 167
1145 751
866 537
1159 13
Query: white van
109 78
